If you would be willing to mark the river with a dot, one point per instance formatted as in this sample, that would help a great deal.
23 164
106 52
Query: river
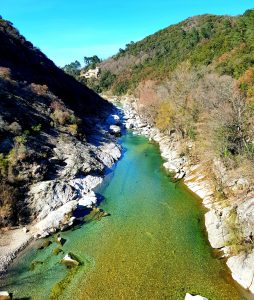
152 246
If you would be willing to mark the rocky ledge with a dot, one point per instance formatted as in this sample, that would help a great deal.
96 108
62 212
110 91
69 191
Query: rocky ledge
80 169
229 223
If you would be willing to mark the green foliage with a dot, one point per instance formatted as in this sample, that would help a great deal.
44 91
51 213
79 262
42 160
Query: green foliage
36 128
103 83
3 164
228 42
191 132
121 87
106 80
22 139
73 69
91 61
164 116
56 251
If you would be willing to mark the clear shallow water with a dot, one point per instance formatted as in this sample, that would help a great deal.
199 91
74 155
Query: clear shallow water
153 246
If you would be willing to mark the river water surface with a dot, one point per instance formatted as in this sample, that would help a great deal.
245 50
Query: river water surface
152 246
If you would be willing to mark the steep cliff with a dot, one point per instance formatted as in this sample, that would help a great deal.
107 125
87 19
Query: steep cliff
47 120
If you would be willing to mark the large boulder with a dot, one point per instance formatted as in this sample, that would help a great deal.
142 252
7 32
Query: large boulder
116 130
242 270
109 153
218 232
70 261
5 295
60 218
87 200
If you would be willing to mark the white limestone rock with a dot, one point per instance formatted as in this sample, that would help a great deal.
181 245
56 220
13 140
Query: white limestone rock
242 269
87 200
109 153
4 295
60 218
197 297
218 233
114 129
68 260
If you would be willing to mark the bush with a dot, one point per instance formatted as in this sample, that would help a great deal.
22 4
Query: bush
164 116
121 88
73 129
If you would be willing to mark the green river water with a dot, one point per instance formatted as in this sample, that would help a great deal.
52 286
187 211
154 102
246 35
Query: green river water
152 246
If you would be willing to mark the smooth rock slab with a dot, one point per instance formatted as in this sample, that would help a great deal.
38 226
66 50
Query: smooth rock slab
88 200
218 233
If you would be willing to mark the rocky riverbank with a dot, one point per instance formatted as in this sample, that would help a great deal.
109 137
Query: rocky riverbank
229 223
53 202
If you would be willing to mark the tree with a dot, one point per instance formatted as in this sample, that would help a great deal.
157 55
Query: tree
73 69
91 61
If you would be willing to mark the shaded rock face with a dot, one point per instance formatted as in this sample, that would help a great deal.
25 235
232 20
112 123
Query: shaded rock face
46 118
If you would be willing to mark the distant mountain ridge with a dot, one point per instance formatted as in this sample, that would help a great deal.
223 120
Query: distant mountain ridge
224 42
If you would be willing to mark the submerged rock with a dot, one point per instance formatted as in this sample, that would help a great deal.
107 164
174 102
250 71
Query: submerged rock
197 297
34 264
60 240
44 245
56 251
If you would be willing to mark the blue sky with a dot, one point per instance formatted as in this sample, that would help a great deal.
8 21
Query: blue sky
66 30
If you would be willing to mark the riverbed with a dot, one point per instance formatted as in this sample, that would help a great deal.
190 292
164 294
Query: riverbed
153 245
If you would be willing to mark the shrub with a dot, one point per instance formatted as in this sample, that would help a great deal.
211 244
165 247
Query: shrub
15 128
164 116
121 88
5 73
38 89
36 128
73 129
61 117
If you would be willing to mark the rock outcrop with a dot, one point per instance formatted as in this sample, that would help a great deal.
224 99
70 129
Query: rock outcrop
79 169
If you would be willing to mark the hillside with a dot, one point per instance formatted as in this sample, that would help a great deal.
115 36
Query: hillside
225 43
42 109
